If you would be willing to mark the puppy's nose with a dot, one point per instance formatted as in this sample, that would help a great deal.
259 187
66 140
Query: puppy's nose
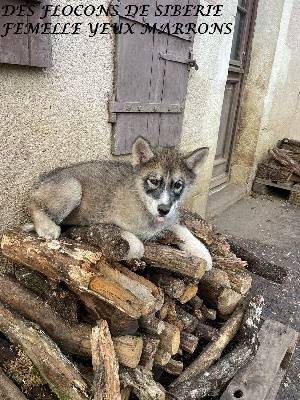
163 209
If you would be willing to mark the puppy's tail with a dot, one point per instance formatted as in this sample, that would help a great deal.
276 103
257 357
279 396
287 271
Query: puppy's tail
29 227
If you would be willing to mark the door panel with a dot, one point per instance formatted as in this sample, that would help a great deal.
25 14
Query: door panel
240 51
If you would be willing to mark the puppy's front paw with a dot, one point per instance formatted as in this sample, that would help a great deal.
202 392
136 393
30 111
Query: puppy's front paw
136 247
192 245
48 231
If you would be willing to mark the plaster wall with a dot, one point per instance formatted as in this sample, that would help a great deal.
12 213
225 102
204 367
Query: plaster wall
271 101
54 116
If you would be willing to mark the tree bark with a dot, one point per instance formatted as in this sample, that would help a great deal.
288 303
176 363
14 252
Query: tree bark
105 364
141 383
165 257
83 267
55 368
212 351
205 382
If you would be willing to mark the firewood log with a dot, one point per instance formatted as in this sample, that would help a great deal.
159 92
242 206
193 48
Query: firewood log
54 367
188 342
162 356
105 236
240 281
84 267
212 351
8 390
208 313
165 257
204 331
125 393
59 298
175 287
105 364
150 346
173 367
141 383
120 323
190 322
152 325
128 349
219 296
204 382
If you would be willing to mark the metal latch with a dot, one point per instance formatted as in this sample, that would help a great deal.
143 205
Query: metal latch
191 63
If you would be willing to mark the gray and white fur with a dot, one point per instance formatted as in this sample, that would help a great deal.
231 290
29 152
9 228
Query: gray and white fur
140 197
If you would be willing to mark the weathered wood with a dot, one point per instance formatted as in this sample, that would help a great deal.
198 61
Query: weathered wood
55 368
217 294
174 287
152 325
59 298
162 356
141 383
204 331
105 364
119 322
201 228
106 236
212 351
125 393
190 322
73 339
273 272
83 267
188 342
8 390
240 281
150 346
165 257
275 339
285 160
208 313
173 367
204 382
128 349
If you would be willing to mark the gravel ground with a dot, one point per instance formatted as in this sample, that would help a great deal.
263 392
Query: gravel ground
269 226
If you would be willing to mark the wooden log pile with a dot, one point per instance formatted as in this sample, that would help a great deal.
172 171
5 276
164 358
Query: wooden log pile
123 321
283 164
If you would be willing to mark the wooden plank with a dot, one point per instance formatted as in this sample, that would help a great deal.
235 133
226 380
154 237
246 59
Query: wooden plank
39 45
13 46
255 381
286 186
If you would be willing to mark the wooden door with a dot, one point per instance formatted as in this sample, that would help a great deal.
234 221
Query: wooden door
239 61
151 76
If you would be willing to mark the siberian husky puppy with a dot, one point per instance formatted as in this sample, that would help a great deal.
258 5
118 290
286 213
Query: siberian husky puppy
140 197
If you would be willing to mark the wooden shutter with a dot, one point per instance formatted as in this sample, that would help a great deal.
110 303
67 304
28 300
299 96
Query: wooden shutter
32 49
151 78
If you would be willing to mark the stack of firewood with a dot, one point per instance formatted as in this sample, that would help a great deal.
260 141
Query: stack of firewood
75 296
283 164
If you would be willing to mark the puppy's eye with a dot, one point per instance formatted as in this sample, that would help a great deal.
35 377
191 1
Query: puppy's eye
178 186
153 183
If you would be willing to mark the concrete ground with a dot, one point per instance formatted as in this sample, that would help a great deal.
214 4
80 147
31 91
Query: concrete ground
270 227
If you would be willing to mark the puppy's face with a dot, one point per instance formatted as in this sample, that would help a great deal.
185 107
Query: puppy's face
163 177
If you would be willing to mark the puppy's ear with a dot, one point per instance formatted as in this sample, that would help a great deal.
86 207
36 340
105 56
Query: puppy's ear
196 158
141 151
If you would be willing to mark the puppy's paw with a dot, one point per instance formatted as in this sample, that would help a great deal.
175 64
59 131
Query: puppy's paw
136 247
48 231
192 245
